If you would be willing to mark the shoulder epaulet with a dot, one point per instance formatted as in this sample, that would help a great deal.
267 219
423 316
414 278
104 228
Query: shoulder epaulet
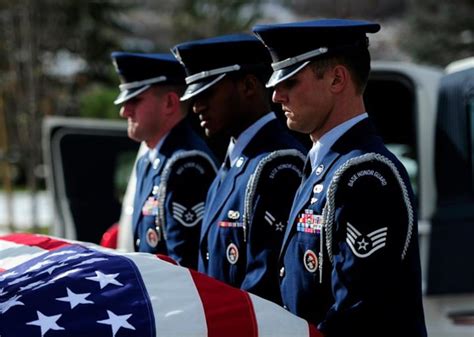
255 177
329 208
169 169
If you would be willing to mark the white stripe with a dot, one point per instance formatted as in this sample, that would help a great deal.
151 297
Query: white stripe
136 84
267 213
298 58
174 298
351 239
198 206
179 206
353 228
351 233
269 220
22 254
375 243
375 237
273 320
212 72
178 213
377 231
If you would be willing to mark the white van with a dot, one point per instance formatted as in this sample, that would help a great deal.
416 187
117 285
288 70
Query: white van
425 116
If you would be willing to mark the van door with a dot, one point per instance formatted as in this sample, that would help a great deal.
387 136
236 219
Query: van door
88 167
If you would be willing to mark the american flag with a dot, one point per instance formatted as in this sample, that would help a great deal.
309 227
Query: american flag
52 287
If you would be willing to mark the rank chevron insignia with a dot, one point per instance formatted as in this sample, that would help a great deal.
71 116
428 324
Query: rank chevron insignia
188 217
366 244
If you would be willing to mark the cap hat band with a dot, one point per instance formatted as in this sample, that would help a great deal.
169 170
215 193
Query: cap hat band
212 72
302 57
136 84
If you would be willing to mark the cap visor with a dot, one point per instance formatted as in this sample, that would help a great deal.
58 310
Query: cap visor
129 93
196 88
285 73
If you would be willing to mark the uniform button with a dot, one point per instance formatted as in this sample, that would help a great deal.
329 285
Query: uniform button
137 243
285 307
207 255
282 271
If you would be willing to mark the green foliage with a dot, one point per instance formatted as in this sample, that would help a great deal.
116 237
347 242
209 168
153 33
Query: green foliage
440 31
200 19
97 102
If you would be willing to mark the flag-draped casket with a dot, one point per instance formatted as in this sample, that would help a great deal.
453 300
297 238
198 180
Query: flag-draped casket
51 287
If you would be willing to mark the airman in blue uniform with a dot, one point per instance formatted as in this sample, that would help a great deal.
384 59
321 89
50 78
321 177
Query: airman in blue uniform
349 261
173 176
248 203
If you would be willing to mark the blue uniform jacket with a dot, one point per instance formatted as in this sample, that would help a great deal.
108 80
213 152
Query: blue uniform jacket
350 260
247 212
170 197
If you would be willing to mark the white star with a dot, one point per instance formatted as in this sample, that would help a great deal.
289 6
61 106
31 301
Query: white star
75 299
363 244
279 227
2 292
38 265
4 306
117 322
4 276
31 285
20 279
46 322
105 279
189 216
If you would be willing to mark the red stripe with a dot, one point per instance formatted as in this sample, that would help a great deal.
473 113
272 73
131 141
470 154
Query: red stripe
313 332
35 240
229 311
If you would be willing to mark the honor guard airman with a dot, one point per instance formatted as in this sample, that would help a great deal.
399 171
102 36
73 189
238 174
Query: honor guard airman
349 261
173 176
248 203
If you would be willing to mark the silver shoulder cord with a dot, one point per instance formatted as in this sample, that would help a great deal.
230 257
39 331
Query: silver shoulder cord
329 208
253 181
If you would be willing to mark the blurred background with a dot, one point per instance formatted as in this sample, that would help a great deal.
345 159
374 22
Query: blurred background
56 62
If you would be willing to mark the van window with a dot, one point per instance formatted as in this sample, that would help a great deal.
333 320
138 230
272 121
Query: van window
390 101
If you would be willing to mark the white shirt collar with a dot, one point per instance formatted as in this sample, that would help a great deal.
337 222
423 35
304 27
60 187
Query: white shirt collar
235 148
322 146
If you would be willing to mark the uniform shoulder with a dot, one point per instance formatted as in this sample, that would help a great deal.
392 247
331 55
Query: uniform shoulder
186 161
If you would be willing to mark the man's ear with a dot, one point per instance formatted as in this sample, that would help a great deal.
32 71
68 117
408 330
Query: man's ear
340 78
172 101
249 84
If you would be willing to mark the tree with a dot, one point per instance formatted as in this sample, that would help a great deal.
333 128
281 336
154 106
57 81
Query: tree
440 31
33 34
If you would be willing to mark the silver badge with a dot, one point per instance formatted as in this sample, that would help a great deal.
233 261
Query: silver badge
153 236
239 162
319 169
310 261
318 188
232 253
156 163
234 215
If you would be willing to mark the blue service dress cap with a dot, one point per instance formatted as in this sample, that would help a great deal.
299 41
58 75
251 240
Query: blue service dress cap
138 71
293 45
207 61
